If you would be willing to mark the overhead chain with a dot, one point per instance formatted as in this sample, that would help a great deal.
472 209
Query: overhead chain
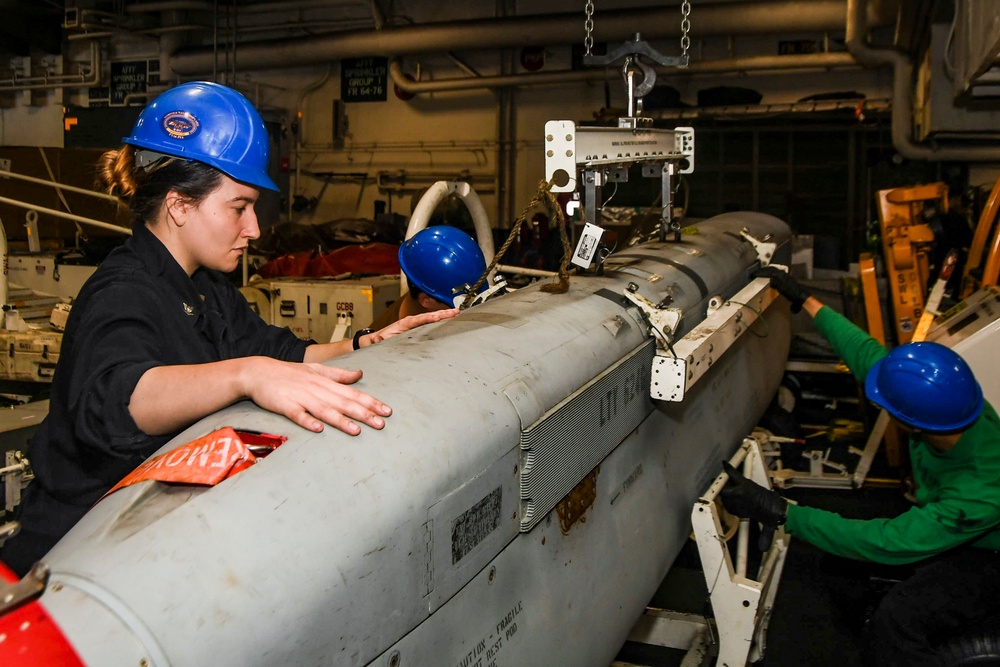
685 30
588 25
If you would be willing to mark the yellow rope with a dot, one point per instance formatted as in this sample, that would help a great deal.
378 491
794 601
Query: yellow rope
545 200
561 286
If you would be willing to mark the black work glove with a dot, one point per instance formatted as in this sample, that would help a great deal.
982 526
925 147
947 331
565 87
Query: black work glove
786 285
746 498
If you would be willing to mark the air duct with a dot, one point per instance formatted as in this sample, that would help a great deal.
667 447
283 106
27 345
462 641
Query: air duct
810 61
902 95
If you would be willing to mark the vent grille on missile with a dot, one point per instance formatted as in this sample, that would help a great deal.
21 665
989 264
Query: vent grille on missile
562 447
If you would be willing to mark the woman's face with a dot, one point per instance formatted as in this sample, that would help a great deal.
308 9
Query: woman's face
218 230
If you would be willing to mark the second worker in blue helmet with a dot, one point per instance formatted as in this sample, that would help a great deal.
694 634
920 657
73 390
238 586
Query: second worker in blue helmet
441 264
951 534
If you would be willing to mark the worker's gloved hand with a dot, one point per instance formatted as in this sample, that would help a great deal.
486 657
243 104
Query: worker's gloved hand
746 498
786 285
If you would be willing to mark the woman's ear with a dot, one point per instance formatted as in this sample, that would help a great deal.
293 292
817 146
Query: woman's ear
177 207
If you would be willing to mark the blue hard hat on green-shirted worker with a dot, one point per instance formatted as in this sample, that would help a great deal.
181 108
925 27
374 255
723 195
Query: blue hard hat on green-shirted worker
926 386
440 260
209 123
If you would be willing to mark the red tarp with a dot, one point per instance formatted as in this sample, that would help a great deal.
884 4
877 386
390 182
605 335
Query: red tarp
371 258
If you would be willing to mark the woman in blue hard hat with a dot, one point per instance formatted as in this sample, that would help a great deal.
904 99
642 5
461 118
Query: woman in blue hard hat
440 264
952 532
158 338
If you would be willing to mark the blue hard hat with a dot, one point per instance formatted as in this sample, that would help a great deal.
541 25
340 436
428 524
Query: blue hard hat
210 123
926 386
436 260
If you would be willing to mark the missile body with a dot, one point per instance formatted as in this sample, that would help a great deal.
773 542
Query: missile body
520 508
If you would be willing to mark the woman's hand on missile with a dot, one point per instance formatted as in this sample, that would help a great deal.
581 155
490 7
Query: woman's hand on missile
321 352
313 394
407 324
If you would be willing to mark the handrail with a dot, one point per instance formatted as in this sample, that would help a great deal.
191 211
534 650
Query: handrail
67 216
4 281
60 186
60 214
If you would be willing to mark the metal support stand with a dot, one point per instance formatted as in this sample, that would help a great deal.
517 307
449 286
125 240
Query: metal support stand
15 476
823 473
741 605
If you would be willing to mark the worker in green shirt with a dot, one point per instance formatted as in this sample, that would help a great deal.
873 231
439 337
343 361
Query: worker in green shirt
952 533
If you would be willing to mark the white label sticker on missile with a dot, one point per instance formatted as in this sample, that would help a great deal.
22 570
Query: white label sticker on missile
587 246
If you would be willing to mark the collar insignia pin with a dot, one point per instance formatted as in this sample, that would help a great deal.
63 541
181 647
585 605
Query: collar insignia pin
188 309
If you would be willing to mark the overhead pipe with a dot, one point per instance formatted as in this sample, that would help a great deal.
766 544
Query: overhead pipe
902 94
255 8
774 17
506 133
60 81
377 14
869 105
172 6
170 40
478 146
407 181
300 120
824 61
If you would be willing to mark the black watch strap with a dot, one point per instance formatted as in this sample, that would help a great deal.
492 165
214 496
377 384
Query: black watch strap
357 337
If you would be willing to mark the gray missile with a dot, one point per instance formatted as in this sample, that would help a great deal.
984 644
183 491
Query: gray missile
520 508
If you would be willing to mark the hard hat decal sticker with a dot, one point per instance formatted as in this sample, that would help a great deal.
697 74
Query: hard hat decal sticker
234 139
180 124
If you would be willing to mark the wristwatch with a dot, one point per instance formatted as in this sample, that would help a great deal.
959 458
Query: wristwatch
357 337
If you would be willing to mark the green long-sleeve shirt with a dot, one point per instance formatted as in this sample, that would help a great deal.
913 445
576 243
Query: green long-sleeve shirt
958 491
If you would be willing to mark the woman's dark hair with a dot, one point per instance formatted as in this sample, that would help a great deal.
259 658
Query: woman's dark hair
144 189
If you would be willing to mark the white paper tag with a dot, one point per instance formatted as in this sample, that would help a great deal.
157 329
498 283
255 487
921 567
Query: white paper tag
344 323
583 256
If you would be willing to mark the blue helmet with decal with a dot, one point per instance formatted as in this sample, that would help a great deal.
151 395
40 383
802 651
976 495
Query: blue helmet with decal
210 123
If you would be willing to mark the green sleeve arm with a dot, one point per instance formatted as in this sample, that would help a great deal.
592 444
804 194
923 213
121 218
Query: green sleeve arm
914 535
858 350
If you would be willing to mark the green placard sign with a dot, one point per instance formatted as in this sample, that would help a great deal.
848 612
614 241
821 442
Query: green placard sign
364 79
